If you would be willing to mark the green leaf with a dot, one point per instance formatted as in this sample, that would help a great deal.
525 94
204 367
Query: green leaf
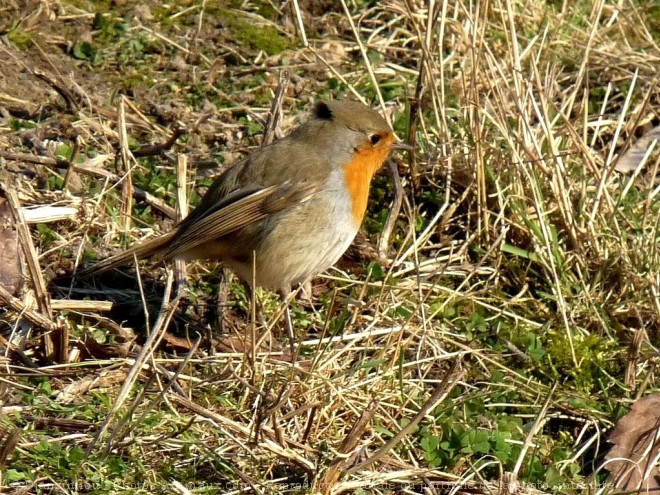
14 475
522 253
430 443
83 50
476 442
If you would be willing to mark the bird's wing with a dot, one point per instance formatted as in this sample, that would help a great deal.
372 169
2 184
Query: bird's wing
237 210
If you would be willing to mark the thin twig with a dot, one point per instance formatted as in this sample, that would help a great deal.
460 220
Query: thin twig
365 59
349 444
164 317
124 158
159 148
415 106
275 114
443 389
384 241
30 252
137 192
29 314
120 429
70 100
35 159
534 430
180 274
195 38
299 23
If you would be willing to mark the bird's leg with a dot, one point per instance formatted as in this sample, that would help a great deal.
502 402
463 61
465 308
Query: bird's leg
223 297
306 291
220 310
286 295
255 316
289 330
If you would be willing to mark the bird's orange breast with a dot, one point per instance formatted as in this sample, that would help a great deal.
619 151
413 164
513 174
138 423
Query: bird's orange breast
359 172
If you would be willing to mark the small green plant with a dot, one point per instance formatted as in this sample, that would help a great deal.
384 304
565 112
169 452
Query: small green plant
597 361
108 27
18 37
46 234
84 50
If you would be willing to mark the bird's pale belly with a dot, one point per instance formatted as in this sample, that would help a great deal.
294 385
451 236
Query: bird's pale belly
300 243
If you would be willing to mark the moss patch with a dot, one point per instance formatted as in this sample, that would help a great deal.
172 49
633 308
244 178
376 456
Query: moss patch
256 36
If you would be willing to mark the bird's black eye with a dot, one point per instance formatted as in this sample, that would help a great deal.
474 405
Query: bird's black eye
375 139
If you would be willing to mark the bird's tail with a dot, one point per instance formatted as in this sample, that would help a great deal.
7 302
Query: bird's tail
234 212
142 250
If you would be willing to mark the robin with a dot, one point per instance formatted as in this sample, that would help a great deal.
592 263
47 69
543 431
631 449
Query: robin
289 210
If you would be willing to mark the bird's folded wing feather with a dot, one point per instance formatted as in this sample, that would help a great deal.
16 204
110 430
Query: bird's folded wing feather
240 209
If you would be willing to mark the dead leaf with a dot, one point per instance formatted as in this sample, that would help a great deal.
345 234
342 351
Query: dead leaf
11 275
177 342
8 441
59 424
124 337
333 52
104 379
104 351
632 157
634 459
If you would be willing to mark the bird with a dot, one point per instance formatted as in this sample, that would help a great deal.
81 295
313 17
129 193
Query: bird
287 211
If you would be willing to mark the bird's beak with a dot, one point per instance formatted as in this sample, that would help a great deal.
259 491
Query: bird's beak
402 146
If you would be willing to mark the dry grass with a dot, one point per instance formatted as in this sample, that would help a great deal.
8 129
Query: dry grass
516 319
